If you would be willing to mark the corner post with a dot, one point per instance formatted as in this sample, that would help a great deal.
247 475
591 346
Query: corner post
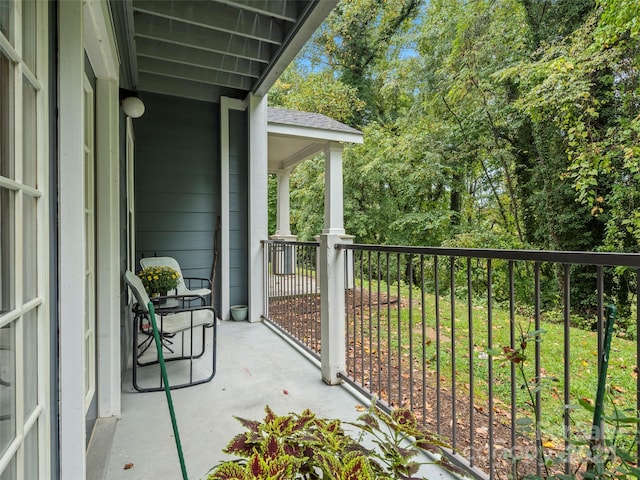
332 306
258 201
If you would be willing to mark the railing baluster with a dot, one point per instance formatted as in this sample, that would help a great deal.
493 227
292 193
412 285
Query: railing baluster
347 315
492 471
512 368
566 280
389 397
410 273
424 341
537 369
369 313
399 339
361 326
379 346
437 306
452 300
471 363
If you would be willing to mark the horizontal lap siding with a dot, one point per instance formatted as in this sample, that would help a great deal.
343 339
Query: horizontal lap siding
177 170
238 208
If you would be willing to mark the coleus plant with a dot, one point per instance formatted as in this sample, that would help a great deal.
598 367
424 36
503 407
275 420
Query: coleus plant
305 446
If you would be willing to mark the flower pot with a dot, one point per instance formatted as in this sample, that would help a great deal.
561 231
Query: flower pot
160 301
239 312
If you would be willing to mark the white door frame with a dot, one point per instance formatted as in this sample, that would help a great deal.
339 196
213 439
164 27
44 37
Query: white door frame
85 28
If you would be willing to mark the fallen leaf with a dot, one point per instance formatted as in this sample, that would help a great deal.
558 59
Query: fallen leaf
548 444
128 466
361 408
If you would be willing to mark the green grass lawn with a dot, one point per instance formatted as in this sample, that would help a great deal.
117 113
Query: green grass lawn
582 369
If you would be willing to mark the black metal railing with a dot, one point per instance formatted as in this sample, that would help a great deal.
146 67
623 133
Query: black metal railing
489 348
492 349
293 291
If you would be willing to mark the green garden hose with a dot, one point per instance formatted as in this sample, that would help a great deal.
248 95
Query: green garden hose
597 427
167 390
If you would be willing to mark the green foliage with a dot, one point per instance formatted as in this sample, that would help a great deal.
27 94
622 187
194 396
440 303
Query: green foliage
305 446
307 193
585 87
594 454
492 124
316 92
357 41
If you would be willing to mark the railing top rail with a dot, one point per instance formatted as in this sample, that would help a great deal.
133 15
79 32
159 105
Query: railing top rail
286 242
605 259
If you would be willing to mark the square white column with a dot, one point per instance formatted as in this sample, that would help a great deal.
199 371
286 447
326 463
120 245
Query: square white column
333 190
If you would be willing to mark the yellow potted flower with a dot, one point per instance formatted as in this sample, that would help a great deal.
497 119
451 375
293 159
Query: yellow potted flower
159 280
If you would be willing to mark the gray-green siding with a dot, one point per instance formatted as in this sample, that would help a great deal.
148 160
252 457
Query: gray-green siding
238 207
177 186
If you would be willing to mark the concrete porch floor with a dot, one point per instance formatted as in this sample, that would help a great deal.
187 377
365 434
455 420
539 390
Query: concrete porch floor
255 367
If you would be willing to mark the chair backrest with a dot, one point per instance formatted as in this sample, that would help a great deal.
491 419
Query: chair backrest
138 290
166 262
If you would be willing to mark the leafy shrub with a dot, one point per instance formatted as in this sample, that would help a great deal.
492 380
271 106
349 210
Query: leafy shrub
305 446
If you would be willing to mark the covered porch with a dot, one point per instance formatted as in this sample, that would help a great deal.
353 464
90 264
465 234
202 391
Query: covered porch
256 367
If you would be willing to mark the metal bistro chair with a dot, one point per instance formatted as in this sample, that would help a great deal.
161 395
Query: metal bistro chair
178 326
186 286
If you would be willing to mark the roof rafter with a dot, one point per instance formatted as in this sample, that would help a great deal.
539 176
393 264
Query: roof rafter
223 18
197 57
162 29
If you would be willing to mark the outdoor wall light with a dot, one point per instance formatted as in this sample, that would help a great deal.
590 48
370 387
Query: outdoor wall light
133 107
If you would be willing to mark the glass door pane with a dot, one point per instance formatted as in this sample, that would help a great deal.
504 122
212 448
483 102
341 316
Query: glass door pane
30 358
5 19
31 453
6 117
29 134
30 242
7 386
29 32
11 472
7 250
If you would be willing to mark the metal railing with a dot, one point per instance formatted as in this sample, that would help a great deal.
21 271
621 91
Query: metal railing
482 345
458 336
293 291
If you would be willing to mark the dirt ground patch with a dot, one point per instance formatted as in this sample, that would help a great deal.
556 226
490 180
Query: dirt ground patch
384 375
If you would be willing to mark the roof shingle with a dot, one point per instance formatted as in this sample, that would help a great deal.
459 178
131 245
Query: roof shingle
307 119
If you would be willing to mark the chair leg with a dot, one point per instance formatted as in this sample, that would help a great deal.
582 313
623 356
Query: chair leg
184 356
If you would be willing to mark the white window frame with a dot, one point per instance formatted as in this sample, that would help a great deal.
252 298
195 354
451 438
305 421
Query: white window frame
39 418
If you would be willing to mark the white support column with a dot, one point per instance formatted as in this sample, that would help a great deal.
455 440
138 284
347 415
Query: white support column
108 247
71 241
332 306
283 227
283 260
333 201
258 201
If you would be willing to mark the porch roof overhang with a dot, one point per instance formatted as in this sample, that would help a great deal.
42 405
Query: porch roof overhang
205 49
295 136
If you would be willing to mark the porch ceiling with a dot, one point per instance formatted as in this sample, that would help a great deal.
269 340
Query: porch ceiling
203 49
